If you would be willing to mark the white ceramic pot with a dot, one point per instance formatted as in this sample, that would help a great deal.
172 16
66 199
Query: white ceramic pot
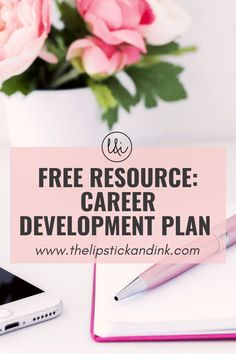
54 118
73 118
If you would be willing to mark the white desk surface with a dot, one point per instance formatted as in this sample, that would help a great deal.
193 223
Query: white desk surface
73 283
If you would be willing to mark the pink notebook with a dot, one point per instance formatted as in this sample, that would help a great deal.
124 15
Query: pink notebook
197 305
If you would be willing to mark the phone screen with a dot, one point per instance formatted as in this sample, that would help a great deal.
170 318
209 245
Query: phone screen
13 288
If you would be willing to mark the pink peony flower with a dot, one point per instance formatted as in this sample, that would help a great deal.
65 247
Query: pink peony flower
117 21
24 26
99 58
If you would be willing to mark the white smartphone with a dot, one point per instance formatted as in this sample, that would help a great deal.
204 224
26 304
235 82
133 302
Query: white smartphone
23 304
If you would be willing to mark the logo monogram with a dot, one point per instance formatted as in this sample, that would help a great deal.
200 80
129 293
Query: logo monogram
116 147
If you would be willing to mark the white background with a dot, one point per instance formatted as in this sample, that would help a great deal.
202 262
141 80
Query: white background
208 117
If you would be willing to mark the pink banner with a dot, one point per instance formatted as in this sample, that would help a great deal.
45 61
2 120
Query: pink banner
156 205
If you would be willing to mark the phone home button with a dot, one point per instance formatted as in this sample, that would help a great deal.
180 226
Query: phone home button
5 313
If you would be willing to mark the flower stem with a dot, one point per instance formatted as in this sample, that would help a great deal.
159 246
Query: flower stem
69 76
184 50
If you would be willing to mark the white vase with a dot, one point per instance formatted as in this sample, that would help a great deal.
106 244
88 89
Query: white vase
73 118
54 118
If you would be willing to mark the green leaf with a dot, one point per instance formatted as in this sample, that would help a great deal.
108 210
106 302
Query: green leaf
166 69
172 48
157 81
171 90
155 53
74 25
148 60
56 45
111 116
106 100
104 95
20 83
122 95
163 49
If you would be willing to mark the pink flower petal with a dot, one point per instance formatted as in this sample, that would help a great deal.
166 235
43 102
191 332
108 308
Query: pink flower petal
100 29
107 11
148 16
26 26
15 65
131 13
131 37
132 54
83 5
48 57
96 62
75 48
